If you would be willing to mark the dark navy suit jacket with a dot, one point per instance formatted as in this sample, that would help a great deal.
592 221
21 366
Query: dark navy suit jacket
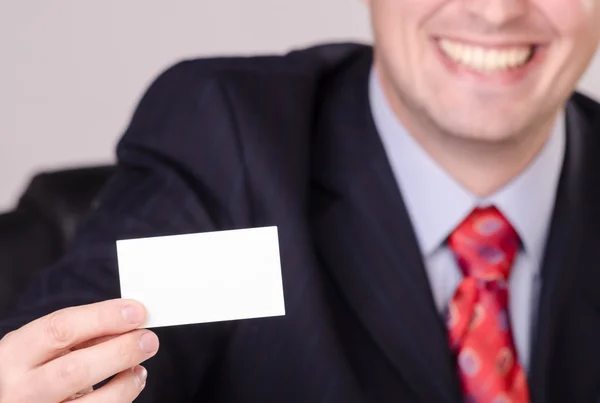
289 141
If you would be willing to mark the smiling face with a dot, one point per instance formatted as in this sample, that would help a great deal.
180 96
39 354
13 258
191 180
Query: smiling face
485 70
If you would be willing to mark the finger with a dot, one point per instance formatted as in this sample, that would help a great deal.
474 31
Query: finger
45 338
65 376
79 394
93 342
125 387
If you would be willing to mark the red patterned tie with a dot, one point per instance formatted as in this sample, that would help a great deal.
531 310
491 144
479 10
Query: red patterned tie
485 245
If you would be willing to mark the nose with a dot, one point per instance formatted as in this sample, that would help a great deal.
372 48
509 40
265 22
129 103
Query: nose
497 12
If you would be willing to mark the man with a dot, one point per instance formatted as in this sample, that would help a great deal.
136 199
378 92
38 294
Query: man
437 208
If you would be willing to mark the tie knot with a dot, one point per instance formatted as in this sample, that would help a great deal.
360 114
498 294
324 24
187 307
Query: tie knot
485 245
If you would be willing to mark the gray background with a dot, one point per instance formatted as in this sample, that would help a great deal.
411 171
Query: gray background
72 71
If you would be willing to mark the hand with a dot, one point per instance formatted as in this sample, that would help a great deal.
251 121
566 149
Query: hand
60 357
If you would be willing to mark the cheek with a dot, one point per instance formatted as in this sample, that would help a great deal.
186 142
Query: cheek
588 6
568 15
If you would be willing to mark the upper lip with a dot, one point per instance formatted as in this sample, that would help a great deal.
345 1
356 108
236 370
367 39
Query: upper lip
494 43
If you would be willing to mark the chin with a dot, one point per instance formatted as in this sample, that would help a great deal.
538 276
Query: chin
489 137
493 130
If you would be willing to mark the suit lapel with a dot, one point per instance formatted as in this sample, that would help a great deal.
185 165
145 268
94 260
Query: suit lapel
566 354
365 239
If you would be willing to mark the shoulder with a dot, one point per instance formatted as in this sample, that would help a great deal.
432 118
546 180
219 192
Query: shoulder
201 89
194 101
299 62
215 120
192 77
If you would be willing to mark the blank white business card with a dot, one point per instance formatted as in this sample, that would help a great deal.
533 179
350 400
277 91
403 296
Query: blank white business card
206 277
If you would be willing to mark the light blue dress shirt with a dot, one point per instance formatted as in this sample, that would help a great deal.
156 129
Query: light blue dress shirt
437 204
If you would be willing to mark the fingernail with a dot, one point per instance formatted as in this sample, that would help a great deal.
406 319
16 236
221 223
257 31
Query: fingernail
149 343
133 314
141 374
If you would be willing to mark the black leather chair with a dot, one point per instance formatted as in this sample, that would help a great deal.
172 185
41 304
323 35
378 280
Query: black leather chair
36 232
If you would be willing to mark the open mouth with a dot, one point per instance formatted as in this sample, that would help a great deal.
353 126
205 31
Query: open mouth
487 60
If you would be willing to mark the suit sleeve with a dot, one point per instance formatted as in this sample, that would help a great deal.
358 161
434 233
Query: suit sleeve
180 170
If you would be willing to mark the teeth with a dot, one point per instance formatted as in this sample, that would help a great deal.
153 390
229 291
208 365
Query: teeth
485 60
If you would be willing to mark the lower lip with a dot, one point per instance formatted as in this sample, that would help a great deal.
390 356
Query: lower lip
505 77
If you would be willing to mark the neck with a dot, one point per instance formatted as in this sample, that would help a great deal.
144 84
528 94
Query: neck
483 167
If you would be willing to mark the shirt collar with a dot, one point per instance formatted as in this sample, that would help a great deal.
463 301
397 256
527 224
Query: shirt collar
437 204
